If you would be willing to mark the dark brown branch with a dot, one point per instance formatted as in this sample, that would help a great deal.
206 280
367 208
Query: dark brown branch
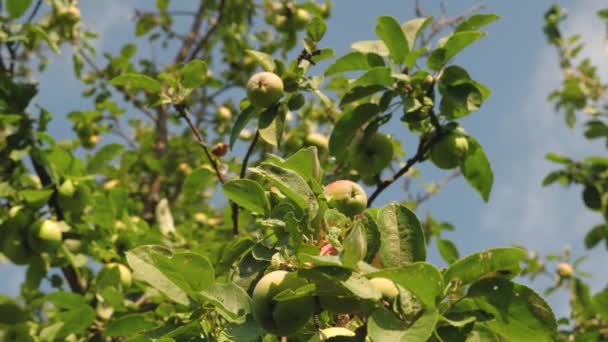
183 113
235 207
191 36
210 31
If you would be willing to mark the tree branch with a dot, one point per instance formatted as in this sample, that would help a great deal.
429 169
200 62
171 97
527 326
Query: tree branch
191 36
210 31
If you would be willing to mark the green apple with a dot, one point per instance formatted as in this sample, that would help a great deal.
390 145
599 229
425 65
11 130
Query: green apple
290 18
328 333
320 141
67 188
386 286
340 304
450 151
124 272
46 236
73 245
224 114
264 89
15 249
280 318
565 270
371 155
346 196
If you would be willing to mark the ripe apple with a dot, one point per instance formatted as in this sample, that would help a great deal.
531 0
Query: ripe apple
124 272
369 156
340 304
45 236
264 89
449 152
280 318
386 286
328 333
565 270
346 196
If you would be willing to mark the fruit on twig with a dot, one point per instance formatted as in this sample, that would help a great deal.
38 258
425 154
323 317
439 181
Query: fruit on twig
346 196
126 279
280 318
46 236
450 151
386 286
370 155
565 270
264 89
328 333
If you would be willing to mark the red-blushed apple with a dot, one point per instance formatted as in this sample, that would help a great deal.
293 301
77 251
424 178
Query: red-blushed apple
281 318
386 286
328 333
450 151
371 155
264 89
346 196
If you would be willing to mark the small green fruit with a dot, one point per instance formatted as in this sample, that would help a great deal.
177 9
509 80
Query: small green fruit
386 286
264 89
126 278
450 151
340 305
280 318
320 141
224 114
372 155
565 270
328 333
346 196
67 188
45 237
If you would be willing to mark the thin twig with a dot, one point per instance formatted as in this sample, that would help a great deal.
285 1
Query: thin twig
444 21
191 36
248 154
210 31
183 113
423 197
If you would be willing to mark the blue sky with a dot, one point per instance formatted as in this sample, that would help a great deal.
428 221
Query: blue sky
516 126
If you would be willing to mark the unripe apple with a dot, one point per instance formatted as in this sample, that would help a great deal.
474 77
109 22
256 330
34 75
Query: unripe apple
328 333
340 304
264 89
124 272
45 237
15 249
346 196
320 141
565 270
386 286
280 318
450 151
370 156
73 245
224 114
67 188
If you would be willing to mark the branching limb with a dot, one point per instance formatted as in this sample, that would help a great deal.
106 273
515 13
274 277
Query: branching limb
213 26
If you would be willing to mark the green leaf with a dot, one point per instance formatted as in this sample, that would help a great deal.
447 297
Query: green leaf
16 8
359 93
476 21
354 245
241 121
389 30
599 302
75 316
44 35
422 279
595 235
128 325
173 275
347 126
315 30
230 300
292 185
453 45
194 74
447 250
349 62
476 169
422 328
401 235
196 182
371 46
36 197
559 159
492 262
517 312
10 312
103 157
272 123
247 194
233 252
372 235
385 325
374 76
264 59
137 81
162 5
414 28
306 163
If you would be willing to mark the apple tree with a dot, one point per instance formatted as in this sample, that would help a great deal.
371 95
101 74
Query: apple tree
214 192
